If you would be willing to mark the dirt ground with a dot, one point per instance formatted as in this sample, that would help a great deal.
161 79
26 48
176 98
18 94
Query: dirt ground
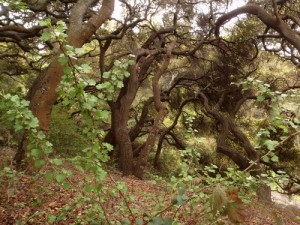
30 201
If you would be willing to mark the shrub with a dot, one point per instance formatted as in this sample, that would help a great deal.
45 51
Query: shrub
65 133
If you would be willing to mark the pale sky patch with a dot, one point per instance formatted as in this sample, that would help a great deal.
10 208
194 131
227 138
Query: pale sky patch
119 14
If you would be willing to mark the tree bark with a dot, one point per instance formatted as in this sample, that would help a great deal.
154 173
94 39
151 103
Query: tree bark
223 148
140 123
120 117
162 112
271 21
168 131
228 126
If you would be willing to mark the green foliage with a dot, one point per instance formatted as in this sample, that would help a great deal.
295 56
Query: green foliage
170 162
270 137
22 120
9 179
56 32
7 135
65 134
221 194
113 79
161 221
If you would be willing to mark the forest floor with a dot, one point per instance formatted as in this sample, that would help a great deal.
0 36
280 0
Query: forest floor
28 200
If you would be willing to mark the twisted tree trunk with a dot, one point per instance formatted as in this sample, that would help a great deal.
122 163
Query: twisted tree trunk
228 126
162 112
120 116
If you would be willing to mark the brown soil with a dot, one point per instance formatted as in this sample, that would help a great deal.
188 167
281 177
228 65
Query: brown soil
25 199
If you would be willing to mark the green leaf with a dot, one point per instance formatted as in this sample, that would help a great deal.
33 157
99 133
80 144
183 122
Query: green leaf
52 219
61 37
61 25
88 105
260 98
272 129
106 74
181 199
110 88
33 123
275 158
271 144
79 51
100 86
117 63
68 70
160 221
69 48
92 82
14 98
126 74
57 162
18 127
24 103
102 114
36 152
120 84
63 60
265 159
41 135
108 146
139 221
125 222
85 68
80 168
131 62
283 127
46 22
122 187
49 177
66 102
39 163
60 177
59 31
88 188
45 36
